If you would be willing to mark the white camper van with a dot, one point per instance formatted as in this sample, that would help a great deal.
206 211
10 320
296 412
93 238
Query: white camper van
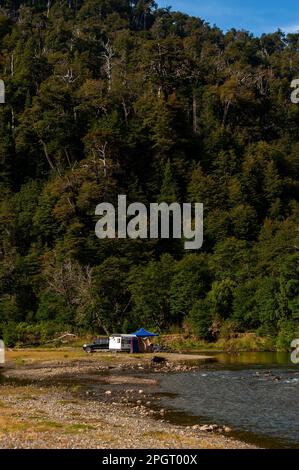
121 342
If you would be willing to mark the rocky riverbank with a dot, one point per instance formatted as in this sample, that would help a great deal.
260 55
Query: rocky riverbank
90 404
52 369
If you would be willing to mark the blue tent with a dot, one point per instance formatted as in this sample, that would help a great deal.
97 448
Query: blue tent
142 333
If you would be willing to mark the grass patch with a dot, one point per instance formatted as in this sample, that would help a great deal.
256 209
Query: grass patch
26 397
32 356
76 388
19 362
48 426
37 417
79 427
69 402
9 422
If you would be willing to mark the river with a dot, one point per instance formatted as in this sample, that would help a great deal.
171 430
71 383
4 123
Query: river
256 394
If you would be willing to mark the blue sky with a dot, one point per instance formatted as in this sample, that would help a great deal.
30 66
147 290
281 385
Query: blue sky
257 16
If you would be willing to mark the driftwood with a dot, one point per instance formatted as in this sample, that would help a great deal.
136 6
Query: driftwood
62 338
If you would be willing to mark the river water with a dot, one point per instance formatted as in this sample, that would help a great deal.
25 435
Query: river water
256 394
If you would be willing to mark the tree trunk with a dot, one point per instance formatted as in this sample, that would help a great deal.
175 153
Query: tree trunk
47 155
48 8
12 65
194 106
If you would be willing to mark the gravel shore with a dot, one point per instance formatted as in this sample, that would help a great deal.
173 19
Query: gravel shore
37 415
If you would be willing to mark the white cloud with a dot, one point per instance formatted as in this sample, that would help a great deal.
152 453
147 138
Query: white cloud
291 28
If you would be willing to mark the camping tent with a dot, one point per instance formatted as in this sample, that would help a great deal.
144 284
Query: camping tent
142 333
143 340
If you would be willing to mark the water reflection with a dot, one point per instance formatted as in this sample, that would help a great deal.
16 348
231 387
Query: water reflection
254 358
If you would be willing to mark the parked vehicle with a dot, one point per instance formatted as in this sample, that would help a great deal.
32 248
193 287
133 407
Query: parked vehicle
101 344
122 342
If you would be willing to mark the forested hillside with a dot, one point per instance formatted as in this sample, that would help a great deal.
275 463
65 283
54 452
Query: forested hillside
109 97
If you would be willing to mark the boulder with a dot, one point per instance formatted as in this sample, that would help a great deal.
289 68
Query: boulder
158 360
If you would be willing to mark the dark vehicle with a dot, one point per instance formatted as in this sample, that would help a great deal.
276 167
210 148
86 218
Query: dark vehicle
98 345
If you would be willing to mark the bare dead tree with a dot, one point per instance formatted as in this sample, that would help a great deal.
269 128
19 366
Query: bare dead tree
108 55
12 65
48 8
126 112
101 150
70 280
47 154
69 77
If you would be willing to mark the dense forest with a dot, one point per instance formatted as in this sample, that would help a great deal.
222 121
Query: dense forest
110 97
